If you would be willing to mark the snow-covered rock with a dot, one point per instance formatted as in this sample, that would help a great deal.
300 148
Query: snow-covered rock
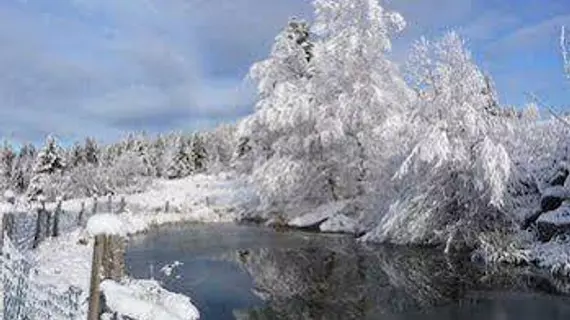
106 224
147 300
552 197
554 222
316 217
553 256
339 224
169 268
559 217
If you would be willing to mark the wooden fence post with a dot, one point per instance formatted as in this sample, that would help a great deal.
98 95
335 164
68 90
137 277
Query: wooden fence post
108 257
114 258
81 214
38 233
56 220
94 290
94 206
48 216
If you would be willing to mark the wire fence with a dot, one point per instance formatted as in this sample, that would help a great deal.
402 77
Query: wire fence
25 298
29 228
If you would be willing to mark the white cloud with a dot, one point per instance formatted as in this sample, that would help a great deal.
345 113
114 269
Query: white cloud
99 67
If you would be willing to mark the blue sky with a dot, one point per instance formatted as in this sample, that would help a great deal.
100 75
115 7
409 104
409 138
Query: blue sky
105 67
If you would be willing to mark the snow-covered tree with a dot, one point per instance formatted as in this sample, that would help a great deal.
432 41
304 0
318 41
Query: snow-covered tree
456 174
280 79
77 156
321 112
219 144
49 162
180 161
289 60
198 154
156 154
359 90
91 151
50 159
7 164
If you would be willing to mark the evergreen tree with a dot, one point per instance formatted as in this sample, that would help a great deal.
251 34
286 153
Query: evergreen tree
180 163
19 180
24 167
92 152
77 156
156 155
48 162
199 154
7 163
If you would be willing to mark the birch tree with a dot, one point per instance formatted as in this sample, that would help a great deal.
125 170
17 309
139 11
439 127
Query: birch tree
455 177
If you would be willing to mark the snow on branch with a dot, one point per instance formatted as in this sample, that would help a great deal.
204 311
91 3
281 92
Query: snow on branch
564 44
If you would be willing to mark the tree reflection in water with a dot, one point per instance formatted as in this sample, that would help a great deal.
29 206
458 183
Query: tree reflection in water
345 280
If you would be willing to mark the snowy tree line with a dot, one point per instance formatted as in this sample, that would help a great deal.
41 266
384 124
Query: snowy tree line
91 169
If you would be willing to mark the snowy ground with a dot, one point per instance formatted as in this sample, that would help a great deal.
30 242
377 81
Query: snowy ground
146 300
65 261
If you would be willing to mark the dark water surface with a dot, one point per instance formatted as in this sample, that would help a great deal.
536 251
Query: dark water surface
244 272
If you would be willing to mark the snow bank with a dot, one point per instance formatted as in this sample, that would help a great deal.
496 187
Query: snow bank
105 224
146 300
318 215
339 224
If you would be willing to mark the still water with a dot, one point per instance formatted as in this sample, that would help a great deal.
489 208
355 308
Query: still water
246 272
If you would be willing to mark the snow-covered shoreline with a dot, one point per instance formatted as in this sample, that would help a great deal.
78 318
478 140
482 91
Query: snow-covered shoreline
66 260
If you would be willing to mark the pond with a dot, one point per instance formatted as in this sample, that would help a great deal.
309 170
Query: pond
248 272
